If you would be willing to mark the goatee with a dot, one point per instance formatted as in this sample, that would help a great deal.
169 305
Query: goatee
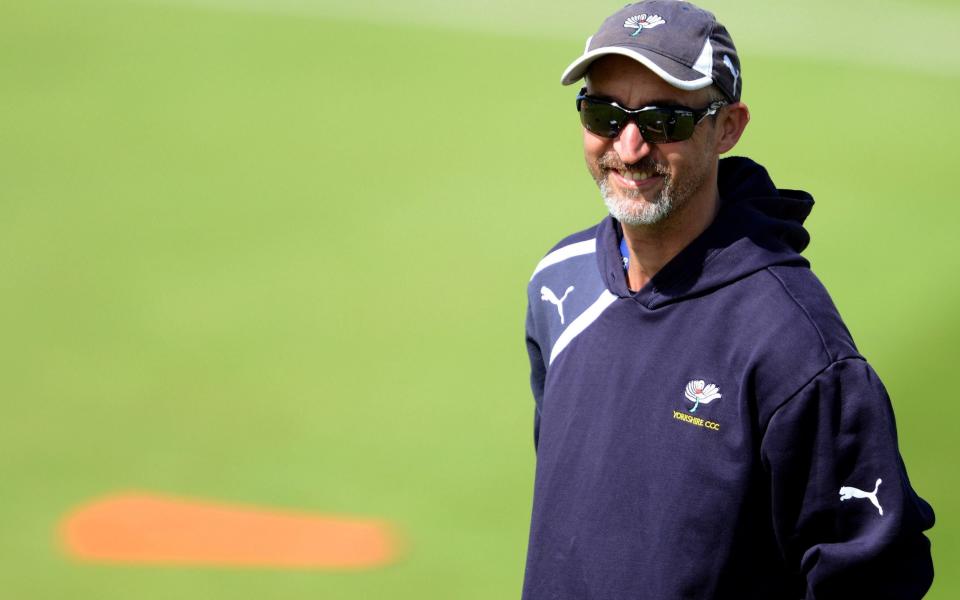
628 206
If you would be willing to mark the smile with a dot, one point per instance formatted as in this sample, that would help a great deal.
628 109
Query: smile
635 179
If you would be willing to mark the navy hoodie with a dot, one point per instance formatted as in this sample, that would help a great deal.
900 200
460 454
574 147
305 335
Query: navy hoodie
716 434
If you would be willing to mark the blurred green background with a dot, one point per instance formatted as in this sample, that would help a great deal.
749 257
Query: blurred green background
275 253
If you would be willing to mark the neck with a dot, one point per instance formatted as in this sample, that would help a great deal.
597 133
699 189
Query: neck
653 246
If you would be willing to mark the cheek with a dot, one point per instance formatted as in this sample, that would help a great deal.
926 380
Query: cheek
682 156
666 155
594 147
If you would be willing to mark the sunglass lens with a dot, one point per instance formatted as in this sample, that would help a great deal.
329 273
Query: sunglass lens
661 126
601 118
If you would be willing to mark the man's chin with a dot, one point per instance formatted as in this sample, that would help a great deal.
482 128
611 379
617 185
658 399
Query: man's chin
636 210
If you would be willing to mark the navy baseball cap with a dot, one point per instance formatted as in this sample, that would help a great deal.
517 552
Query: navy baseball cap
679 41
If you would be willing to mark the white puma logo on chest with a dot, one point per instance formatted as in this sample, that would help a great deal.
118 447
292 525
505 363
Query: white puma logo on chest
547 295
847 492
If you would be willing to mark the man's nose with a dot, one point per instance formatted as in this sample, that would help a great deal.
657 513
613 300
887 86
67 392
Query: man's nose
630 145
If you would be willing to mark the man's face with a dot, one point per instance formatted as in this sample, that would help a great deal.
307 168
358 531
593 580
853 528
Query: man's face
642 183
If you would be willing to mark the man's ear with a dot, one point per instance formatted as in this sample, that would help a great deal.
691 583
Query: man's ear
731 122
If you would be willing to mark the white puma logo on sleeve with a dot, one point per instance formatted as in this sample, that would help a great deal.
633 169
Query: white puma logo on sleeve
547 295
847 492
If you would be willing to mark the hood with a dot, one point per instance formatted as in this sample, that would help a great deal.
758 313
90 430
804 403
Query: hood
757 226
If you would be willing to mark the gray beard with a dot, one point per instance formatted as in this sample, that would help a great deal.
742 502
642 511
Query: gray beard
630 210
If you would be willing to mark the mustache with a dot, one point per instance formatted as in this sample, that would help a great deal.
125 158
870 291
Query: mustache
613 162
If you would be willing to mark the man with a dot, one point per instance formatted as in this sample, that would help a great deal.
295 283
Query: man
705 426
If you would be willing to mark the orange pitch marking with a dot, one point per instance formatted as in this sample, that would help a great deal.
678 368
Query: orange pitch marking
141 528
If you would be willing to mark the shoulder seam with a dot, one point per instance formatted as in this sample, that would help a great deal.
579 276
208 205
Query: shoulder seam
806 313
802 387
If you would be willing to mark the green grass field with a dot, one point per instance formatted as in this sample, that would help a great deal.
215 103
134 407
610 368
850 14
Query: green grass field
276 254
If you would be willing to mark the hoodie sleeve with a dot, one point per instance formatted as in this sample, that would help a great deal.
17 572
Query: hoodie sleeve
843 509
538 374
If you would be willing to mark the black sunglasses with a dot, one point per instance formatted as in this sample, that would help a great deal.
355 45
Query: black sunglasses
657 124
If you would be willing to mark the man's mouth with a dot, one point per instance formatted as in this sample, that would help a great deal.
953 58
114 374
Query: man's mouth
635 175
636 178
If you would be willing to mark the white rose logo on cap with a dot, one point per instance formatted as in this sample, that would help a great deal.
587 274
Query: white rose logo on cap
641 22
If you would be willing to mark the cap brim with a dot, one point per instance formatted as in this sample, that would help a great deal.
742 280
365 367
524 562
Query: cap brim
674 73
